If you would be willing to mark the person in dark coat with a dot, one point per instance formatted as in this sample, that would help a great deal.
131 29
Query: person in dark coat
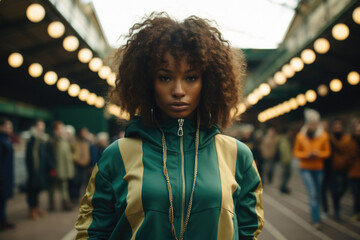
39 167
6 170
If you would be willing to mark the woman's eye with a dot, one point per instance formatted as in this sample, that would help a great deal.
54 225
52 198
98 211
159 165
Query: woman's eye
191 78
164 78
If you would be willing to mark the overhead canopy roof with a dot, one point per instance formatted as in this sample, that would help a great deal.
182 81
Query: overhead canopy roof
32 41
337 63
18 34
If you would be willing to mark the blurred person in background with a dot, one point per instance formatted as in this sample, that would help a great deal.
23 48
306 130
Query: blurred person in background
354 171
6 170
341 153
311 147
39 165
102 142
327 172
70 134
62 155
173 175
82 161
269 151
247 135
94 155
285 156
258 135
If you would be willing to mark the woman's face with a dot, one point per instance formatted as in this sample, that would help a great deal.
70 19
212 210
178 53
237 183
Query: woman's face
177 88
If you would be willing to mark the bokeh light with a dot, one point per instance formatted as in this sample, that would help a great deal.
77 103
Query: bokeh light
280 78
353 78
322 90
308 56
84 94
310 95
85 55
15 60
340 31
35 12
287 71
50 78
63 84
74 90
35 70
296 64
95 64
104 72
301 100
336 85
321 45
56 29
70 43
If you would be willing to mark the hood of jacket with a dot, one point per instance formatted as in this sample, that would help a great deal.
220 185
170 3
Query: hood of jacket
151 133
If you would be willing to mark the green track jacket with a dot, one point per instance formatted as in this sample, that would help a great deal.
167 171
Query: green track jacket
127 195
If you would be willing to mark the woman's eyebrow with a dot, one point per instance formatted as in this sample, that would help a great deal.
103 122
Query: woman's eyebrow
165 70
190 70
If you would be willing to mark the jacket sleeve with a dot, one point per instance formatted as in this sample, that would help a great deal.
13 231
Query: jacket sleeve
299 151
325 150
97 217
248 208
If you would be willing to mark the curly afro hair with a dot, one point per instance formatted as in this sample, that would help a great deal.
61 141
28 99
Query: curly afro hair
223 69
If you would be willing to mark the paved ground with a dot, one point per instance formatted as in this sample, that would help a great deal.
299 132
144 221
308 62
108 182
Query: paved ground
286 216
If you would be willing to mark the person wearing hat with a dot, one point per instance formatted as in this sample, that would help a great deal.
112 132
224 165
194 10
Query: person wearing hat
311 147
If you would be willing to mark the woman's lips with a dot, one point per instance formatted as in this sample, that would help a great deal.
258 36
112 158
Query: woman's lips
178 106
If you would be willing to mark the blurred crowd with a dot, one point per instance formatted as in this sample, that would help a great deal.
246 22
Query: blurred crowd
61 161
326 152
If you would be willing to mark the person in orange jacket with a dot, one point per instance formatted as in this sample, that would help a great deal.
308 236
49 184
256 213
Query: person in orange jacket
311 147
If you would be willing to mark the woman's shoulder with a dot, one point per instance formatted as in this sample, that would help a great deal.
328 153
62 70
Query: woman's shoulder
228 142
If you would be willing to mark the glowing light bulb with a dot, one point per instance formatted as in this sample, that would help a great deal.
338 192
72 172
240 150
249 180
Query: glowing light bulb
111 79
265 89
63 84
353 78
293 103
84 94
301 100
340 31
74 90
321 45
50 78
70 43
85 55
308 56
323 90
280 78
287 71
35 70
296 64
91 99
15 60
35 12
356 15
56 29
252 99
336 85
104 72
310 95
95 64
100 102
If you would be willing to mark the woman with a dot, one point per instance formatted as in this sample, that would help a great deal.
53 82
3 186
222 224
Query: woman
174 176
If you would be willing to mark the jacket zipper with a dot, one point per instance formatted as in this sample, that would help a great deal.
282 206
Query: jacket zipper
180 134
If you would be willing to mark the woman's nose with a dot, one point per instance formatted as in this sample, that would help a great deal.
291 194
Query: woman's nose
178 89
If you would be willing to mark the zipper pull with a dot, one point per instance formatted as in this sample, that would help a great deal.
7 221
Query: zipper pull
181 123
